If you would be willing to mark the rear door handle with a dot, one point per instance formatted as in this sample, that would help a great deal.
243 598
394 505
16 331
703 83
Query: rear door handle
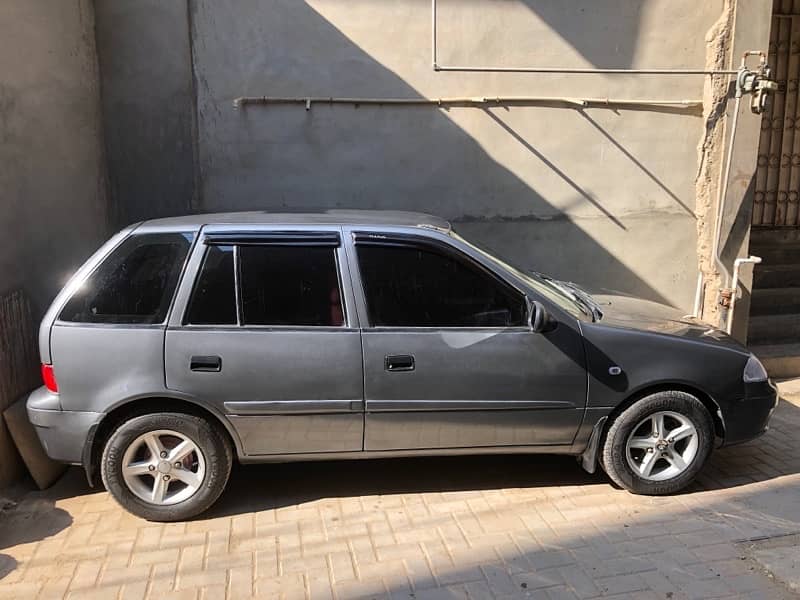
208 364
399 362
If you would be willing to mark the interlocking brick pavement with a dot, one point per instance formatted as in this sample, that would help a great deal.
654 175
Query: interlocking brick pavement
466 527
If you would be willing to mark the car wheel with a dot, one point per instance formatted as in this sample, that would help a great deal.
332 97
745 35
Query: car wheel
659 444
166 466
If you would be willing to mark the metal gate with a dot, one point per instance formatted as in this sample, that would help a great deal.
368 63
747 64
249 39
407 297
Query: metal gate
778 171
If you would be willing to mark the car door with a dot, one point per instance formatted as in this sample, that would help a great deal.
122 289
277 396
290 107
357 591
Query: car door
266 333
449 358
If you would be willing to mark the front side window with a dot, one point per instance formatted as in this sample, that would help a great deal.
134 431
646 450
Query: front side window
134 284
413 286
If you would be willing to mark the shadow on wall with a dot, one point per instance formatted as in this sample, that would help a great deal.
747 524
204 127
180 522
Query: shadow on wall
606 19
283 157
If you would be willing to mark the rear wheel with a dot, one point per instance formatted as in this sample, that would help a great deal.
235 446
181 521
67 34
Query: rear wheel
166 466
659 444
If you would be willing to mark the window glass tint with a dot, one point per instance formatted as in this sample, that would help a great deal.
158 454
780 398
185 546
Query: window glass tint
289 285
408 286
134 284
214 297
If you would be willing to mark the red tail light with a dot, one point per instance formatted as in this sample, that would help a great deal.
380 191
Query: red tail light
49 378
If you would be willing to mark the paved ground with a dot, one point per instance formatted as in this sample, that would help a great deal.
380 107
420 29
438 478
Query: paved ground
499 527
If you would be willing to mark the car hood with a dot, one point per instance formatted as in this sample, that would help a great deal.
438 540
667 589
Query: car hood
637 313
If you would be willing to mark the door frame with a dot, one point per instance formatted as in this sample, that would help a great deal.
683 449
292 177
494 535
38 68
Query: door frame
241 414
468 409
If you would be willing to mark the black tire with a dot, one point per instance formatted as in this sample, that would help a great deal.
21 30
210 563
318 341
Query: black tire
212 442
613 457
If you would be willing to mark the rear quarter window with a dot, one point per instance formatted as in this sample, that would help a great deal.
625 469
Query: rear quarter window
134 284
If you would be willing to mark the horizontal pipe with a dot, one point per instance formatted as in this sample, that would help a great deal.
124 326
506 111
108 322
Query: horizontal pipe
481 101
565 70
583 70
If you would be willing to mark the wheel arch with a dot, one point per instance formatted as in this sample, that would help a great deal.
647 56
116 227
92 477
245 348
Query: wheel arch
103 429
589 457
673 386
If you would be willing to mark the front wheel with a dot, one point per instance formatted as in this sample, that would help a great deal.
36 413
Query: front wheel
166 466
659 444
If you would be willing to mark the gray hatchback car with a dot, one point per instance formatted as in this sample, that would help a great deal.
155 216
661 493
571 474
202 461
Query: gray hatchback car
187 343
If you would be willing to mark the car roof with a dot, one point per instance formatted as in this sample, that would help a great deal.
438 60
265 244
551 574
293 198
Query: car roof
329 217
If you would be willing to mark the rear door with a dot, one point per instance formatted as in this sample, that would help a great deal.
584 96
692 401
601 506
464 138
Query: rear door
266 333
449 359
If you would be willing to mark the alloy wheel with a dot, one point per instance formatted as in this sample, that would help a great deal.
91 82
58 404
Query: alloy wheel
163 467
662 446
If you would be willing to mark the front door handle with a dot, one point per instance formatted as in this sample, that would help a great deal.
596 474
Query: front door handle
399 362
207 364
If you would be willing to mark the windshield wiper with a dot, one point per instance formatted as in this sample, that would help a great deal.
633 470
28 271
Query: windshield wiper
586 299
570 292
576 294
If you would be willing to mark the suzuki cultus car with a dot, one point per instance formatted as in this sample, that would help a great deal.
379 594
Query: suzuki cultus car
185 344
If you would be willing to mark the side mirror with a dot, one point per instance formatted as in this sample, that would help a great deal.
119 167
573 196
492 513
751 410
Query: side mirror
539 319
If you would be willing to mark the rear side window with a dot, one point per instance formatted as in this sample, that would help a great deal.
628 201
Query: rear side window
134 284
413 286
290 285
278 285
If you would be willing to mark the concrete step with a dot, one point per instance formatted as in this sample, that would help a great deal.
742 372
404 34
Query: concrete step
775 301
776 276
780 360
778 254
772 236
769 329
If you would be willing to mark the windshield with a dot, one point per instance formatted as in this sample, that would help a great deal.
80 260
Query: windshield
547 287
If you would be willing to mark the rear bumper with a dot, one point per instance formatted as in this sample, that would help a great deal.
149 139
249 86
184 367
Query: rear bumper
63 433
748 418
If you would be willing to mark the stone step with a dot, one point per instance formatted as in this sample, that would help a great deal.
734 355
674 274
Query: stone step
769 329
775 301
776 276
773 236
781 360
778 254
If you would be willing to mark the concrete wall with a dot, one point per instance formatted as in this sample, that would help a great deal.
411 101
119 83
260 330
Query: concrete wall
606 197
52 183
735 231
148 106
579 194
53 210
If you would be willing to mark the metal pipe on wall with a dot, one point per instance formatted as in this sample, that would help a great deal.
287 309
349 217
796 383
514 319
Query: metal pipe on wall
479 101
699 294
723 192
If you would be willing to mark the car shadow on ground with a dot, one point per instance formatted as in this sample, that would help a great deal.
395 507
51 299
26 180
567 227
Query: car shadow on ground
268 486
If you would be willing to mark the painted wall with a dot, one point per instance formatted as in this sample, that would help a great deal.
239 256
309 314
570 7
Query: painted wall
52 182
606 197
148 106
580 194
52 177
